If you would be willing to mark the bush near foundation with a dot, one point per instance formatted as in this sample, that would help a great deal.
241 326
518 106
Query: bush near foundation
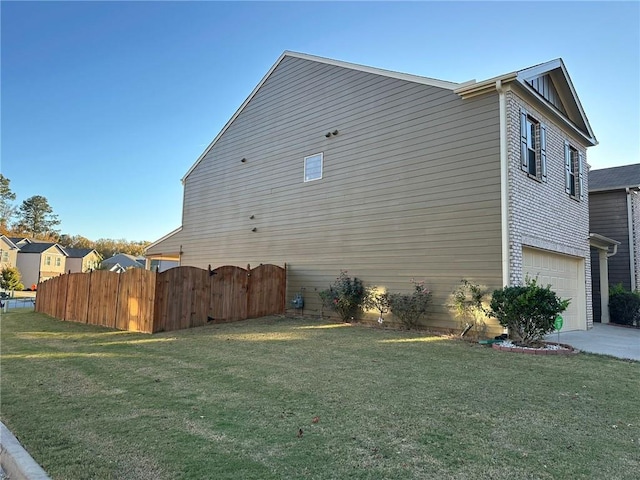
346 296
528 311
410 308
624 306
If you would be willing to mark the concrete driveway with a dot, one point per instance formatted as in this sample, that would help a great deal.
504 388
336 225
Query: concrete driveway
605 339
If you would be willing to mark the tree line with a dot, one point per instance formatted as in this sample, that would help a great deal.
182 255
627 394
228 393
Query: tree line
34 218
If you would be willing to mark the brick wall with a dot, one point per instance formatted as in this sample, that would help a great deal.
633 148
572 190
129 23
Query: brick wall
542 214
635 236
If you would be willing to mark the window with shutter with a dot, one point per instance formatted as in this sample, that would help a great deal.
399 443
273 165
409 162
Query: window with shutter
533 141
573 161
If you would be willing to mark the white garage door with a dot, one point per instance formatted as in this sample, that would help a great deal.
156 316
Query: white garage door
565 274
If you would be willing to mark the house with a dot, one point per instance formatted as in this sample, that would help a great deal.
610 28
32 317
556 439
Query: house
115 268
123 260
20 241
8 252
162 265
39 261
330 166
80 260
614 212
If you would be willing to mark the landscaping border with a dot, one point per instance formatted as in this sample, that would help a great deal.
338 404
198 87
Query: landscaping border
565 350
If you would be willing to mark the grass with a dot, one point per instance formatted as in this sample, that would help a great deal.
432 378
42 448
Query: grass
229 401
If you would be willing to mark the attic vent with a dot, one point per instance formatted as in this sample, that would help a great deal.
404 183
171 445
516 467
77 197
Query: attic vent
544 86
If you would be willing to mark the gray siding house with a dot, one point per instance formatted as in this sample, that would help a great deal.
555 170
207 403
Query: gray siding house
614 212
331 166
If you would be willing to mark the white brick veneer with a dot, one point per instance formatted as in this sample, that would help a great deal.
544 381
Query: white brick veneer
542 214
635 225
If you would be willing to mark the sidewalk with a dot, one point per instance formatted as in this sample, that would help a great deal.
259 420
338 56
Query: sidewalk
16 462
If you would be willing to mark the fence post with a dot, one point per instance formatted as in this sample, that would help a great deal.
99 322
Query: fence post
284 289
86 315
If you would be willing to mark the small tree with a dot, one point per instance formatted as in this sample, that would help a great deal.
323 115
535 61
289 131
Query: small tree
528 311
378 301
10 279
410 308
345 296
467 304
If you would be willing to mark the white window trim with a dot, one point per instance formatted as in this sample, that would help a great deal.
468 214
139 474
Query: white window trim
313 157
578 175
541 146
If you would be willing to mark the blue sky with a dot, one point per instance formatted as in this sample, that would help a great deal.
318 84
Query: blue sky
106 105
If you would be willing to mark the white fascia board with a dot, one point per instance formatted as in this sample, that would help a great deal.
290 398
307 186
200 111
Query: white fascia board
235 115
59 248
353 66
614 188
538 70
433 82
473 89
602 242
12 245
588 137
162 239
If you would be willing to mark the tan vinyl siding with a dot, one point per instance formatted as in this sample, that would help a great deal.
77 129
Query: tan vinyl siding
410 185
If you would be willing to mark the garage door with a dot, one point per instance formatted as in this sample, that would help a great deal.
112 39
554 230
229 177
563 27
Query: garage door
565 274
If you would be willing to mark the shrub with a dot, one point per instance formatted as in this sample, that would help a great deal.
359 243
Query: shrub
10 279
410 308
624 306
528 311
378 301
346 296
467 304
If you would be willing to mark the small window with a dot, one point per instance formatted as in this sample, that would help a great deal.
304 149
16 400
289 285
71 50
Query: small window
313 167
58 261
533 138
5 256
573 161
47 260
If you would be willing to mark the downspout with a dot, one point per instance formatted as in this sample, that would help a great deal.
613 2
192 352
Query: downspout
504 183
632 252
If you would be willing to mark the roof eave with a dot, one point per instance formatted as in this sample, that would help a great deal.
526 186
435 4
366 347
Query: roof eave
353 66
474 89
615 188
162 239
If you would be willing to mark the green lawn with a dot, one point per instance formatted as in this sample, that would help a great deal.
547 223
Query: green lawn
228 401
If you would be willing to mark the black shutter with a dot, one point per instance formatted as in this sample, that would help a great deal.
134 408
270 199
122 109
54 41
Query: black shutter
524 157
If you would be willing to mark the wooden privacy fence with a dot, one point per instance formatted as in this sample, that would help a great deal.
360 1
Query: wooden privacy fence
182 297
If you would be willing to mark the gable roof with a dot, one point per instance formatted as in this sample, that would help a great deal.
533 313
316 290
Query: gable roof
551 85
327 61
567 106
40 247
615 178
79 252
8 241
19 240
125 260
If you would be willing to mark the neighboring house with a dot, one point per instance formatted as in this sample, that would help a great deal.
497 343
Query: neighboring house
331 166
21 241
161 265
82 260
614 212
8 252
40 261
124 260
